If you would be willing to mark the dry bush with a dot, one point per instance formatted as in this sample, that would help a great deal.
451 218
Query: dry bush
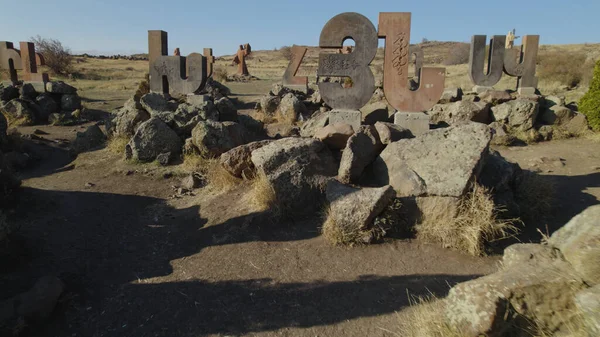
286 52
535 196
116 144
570 69
263 195
220 74
459 54
426 318
58 58
216 177
476 223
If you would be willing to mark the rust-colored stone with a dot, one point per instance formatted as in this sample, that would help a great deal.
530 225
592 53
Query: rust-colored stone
290 79
395 28
240 59
29 63
40 60
521 62
345 50
157 45
210 60
176 52
10 59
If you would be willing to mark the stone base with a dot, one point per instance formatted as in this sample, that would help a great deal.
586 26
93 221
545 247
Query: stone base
526 91
297 87
352 117
481 89
416 122
197 99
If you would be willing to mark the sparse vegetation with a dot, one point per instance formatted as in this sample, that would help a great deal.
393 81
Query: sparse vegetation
217 178
286 52
468 229
590 102
426 318
263 195
116 144
535 196
459 54
58 58
220 74
570 69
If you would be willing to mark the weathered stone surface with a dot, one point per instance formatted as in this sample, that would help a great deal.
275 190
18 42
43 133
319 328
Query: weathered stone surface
541 292
451 95
152 138
128 119
521 63
375 112
352 117
215 138
556 115
578 125
291 107
361 150
191 181
187 116
157 105
579 242
8 93
546 132
445 160
495 96
22 109
551 101
316 122
502 178
354 209
269 104
417 123
227 110
215 89
238 161
47 104
492 74
389 133
459 112
92 138
297 169
59 87
70 103
27 91
281 130
523 253
588 303
519 114
500 134
165 158
335 136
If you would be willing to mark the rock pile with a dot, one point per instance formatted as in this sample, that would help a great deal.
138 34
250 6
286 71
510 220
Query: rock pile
36 103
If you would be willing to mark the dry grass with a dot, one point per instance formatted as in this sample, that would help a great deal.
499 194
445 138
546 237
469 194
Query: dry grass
338 234
570 69
263 195
426 318
220 74
535 196
117 144
458 55
475 224
217 178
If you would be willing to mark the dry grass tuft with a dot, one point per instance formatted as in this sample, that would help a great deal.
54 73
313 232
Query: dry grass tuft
535 196
217 178
117 144
220 74
263 195
475 224
570 69
337 234
426 318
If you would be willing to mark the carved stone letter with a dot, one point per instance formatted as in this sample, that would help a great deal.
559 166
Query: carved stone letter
521 62
29 62
10 59
495 60
395 28
290 79
354 65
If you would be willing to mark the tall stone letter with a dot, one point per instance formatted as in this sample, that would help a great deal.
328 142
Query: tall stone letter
521 63
30 63
176 75
395 28
10 59
495 60
290 80
354 65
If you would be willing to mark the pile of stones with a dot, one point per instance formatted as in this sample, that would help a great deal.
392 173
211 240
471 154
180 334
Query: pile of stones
556 285
39 103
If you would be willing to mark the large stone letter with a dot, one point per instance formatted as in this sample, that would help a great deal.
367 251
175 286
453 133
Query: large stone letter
395 28
521 63
290 80
495 60
29 62
176 75
354 65
10 59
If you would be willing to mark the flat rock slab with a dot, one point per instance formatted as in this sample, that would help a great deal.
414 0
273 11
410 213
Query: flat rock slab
442 162
335 135
237 161
352 117
416 122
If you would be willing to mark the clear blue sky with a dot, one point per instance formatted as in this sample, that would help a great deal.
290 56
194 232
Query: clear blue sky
111 26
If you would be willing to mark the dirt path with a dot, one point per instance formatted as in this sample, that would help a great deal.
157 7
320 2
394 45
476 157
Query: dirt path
138 263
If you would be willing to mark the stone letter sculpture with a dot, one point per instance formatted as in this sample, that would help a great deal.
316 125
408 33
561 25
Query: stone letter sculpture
10 59
520 62
290 80
240 59
354 65
29 63
176 75
395 28
210 59
495 60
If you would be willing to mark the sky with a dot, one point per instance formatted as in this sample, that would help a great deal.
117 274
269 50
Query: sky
120 27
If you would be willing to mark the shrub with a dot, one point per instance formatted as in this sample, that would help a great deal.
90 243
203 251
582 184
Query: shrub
426 317
220 74
475 223
216 177
568 69
116 144
286 52
589 104
459 54
58 58
263 195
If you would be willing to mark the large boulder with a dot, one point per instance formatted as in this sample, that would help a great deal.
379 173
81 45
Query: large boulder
59 87
502 178
187 116
556 115
90 139
579 241
128 119
8 93
291 107
27 91
297 169
152 138
215 138
238 161
335 136
376 112
588 303
70 103
352 210
578 125
459 112
215 89
519 114
536 284
389 132
451 95
360 151
316 122
157 105
47 104
495 96
227 110
268 104
25 111
441 162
